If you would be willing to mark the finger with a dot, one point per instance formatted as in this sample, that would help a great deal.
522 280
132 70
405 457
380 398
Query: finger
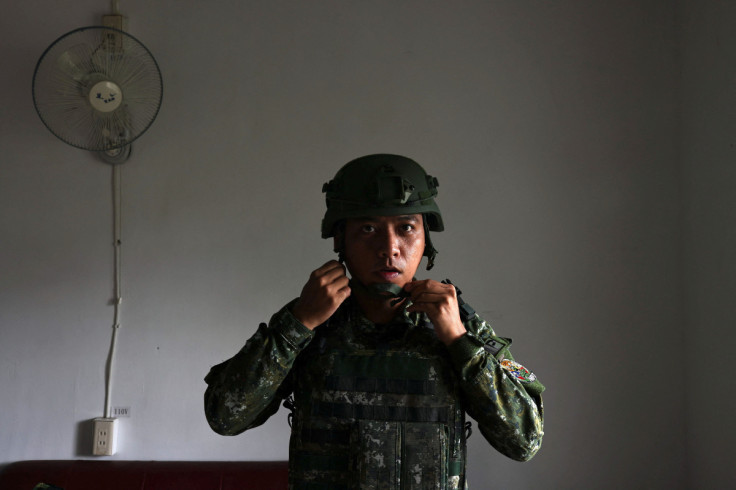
414 285
432 293
427 285
428 297
335 275
328 266
328 273
339 284
344 291
431 309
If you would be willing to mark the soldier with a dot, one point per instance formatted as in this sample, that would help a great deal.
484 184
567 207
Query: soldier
380 369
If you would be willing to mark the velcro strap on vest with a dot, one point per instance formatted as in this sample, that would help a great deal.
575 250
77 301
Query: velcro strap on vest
390 367
376 412
381 385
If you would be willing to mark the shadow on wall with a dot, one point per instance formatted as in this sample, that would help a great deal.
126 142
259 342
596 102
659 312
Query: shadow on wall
84 438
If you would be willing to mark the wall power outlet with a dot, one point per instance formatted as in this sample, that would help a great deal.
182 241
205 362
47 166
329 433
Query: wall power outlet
105 439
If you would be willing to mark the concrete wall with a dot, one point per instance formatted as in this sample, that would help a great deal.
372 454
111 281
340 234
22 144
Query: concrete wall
556 130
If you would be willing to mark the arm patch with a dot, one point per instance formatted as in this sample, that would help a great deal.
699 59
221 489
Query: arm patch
518 371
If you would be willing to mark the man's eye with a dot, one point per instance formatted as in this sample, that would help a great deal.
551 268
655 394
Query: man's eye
407 227
368 228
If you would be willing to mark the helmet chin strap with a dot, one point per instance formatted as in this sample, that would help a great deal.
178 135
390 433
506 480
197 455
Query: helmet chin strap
429 249
383 291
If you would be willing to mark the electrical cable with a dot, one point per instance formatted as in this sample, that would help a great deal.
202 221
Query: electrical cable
117 299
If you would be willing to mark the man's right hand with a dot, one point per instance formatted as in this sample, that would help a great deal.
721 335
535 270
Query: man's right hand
323 293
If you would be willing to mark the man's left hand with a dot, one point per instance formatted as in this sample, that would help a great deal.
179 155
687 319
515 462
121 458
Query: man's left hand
439 302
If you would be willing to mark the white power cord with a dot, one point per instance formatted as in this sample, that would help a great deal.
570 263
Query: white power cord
117 299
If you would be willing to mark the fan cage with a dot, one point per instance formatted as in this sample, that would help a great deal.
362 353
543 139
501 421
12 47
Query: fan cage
73 64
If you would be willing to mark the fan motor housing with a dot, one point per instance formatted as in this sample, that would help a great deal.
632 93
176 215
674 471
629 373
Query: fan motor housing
105 96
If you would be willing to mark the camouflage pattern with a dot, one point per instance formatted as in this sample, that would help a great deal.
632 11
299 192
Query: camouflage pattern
377 406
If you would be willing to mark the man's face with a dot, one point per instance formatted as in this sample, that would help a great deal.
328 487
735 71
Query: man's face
384 249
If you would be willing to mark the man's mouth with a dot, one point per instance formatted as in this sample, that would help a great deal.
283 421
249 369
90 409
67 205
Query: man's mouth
389 273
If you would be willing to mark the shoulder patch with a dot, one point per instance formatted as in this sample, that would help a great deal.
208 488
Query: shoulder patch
518 371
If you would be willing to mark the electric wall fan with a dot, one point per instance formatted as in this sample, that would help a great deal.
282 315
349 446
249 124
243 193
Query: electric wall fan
98 88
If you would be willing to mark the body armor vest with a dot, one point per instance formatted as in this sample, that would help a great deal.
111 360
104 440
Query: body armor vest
376 407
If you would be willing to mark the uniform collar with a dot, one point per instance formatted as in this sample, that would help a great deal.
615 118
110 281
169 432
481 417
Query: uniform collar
354 315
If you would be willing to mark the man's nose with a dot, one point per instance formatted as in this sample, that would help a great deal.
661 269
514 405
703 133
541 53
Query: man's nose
389 244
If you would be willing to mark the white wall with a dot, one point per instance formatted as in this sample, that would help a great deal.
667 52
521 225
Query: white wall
553 127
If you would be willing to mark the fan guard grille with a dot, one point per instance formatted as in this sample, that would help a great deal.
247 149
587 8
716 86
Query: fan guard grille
79 61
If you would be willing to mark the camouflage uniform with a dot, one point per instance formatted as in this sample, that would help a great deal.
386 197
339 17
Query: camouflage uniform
378 406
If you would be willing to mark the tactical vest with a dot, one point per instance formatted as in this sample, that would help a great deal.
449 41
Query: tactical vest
376 407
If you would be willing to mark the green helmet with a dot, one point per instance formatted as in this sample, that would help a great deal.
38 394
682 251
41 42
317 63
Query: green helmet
380 185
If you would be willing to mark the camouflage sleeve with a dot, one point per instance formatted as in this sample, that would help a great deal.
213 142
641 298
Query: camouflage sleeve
244 391
503 397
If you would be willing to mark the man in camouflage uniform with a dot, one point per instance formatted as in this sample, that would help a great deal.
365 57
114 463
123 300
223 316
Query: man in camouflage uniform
380 369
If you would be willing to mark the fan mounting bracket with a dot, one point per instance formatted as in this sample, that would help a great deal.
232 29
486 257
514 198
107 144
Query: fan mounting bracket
117 155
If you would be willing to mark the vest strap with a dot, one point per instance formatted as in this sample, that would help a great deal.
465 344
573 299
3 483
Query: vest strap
381 385
377 412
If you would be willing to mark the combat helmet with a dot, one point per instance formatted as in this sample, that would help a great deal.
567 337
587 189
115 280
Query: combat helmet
382 185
